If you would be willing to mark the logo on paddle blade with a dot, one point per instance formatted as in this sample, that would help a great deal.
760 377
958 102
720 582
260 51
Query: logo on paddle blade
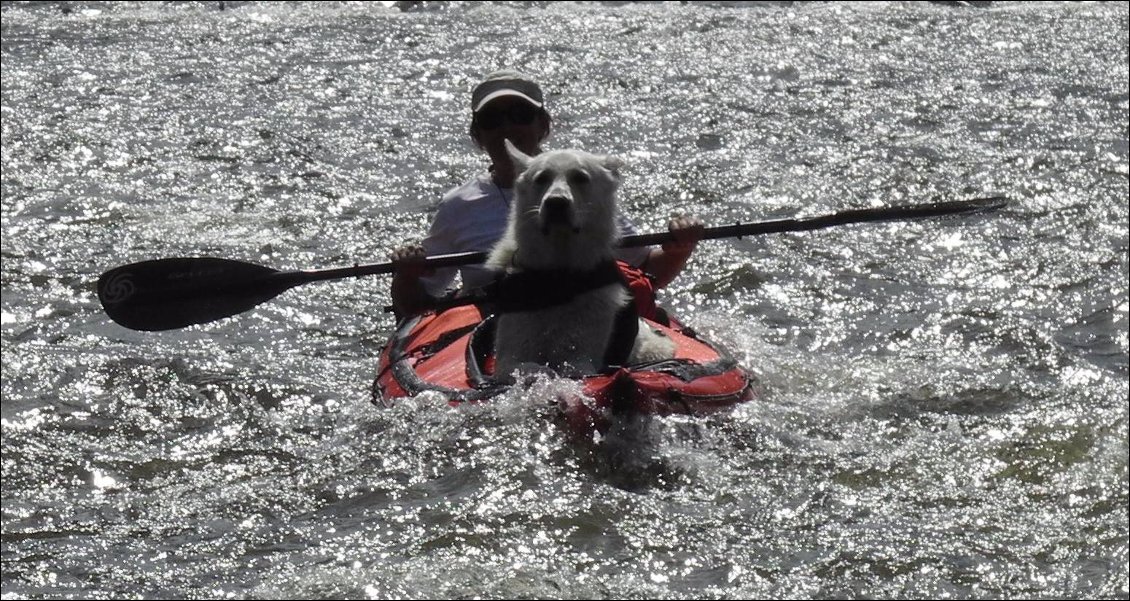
117 289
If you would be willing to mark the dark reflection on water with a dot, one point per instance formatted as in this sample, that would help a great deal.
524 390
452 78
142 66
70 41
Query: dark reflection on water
943 409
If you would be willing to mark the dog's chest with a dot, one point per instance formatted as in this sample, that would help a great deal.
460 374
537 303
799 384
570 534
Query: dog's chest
582 326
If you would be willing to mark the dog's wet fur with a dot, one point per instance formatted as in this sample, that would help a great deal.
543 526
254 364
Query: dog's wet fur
563 217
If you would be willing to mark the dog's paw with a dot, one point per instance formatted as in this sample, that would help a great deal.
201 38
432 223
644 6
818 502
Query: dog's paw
651 345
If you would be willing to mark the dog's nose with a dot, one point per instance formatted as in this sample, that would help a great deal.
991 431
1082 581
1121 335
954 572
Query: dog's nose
555 209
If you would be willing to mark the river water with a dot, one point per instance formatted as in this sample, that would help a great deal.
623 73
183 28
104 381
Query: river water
943 403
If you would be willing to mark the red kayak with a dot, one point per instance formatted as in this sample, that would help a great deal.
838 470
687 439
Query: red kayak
450 352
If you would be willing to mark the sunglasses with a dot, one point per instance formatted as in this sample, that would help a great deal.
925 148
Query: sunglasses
516 114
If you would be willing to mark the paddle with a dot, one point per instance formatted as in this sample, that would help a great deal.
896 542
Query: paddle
167 294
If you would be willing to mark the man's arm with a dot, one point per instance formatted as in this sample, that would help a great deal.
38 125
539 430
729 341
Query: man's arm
665 263
408 294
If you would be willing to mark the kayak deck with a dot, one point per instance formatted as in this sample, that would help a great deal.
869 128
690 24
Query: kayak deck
450 353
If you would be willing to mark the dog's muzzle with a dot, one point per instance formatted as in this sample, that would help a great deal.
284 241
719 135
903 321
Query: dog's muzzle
556 211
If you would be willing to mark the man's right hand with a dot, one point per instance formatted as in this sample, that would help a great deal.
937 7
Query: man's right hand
409 261
408 295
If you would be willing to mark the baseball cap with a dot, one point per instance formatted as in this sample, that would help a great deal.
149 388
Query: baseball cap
506 83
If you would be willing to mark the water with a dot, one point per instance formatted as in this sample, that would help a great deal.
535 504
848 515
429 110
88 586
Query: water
944 403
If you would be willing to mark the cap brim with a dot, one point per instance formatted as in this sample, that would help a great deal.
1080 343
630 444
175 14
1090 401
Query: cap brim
500 93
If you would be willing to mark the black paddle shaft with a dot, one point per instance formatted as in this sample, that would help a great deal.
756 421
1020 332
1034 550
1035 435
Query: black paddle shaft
898 213
167 294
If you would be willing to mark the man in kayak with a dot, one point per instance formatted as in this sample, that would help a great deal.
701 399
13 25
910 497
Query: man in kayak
472 217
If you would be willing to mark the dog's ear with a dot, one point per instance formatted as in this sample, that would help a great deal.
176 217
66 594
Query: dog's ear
613 164
521 160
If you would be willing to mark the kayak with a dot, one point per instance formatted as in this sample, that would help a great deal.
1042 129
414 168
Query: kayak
450 352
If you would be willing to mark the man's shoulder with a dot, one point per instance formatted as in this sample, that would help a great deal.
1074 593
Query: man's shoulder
473 196
474 189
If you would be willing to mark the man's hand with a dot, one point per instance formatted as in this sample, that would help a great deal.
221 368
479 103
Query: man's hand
687 230
408 294
408 261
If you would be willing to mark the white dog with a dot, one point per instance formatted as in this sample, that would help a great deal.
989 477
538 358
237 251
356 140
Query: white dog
564 288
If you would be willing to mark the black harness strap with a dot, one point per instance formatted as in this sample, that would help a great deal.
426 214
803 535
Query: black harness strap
624 332
533 290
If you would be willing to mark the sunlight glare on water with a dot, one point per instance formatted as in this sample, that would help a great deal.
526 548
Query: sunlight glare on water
941 404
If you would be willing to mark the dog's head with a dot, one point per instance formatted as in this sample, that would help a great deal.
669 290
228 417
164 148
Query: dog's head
566 192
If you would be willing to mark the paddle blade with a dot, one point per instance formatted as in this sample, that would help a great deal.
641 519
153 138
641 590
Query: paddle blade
166 294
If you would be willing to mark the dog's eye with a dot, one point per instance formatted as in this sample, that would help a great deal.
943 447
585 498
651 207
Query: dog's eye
578 178
543 178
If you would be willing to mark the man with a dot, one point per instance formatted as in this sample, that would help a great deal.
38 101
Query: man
507 105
